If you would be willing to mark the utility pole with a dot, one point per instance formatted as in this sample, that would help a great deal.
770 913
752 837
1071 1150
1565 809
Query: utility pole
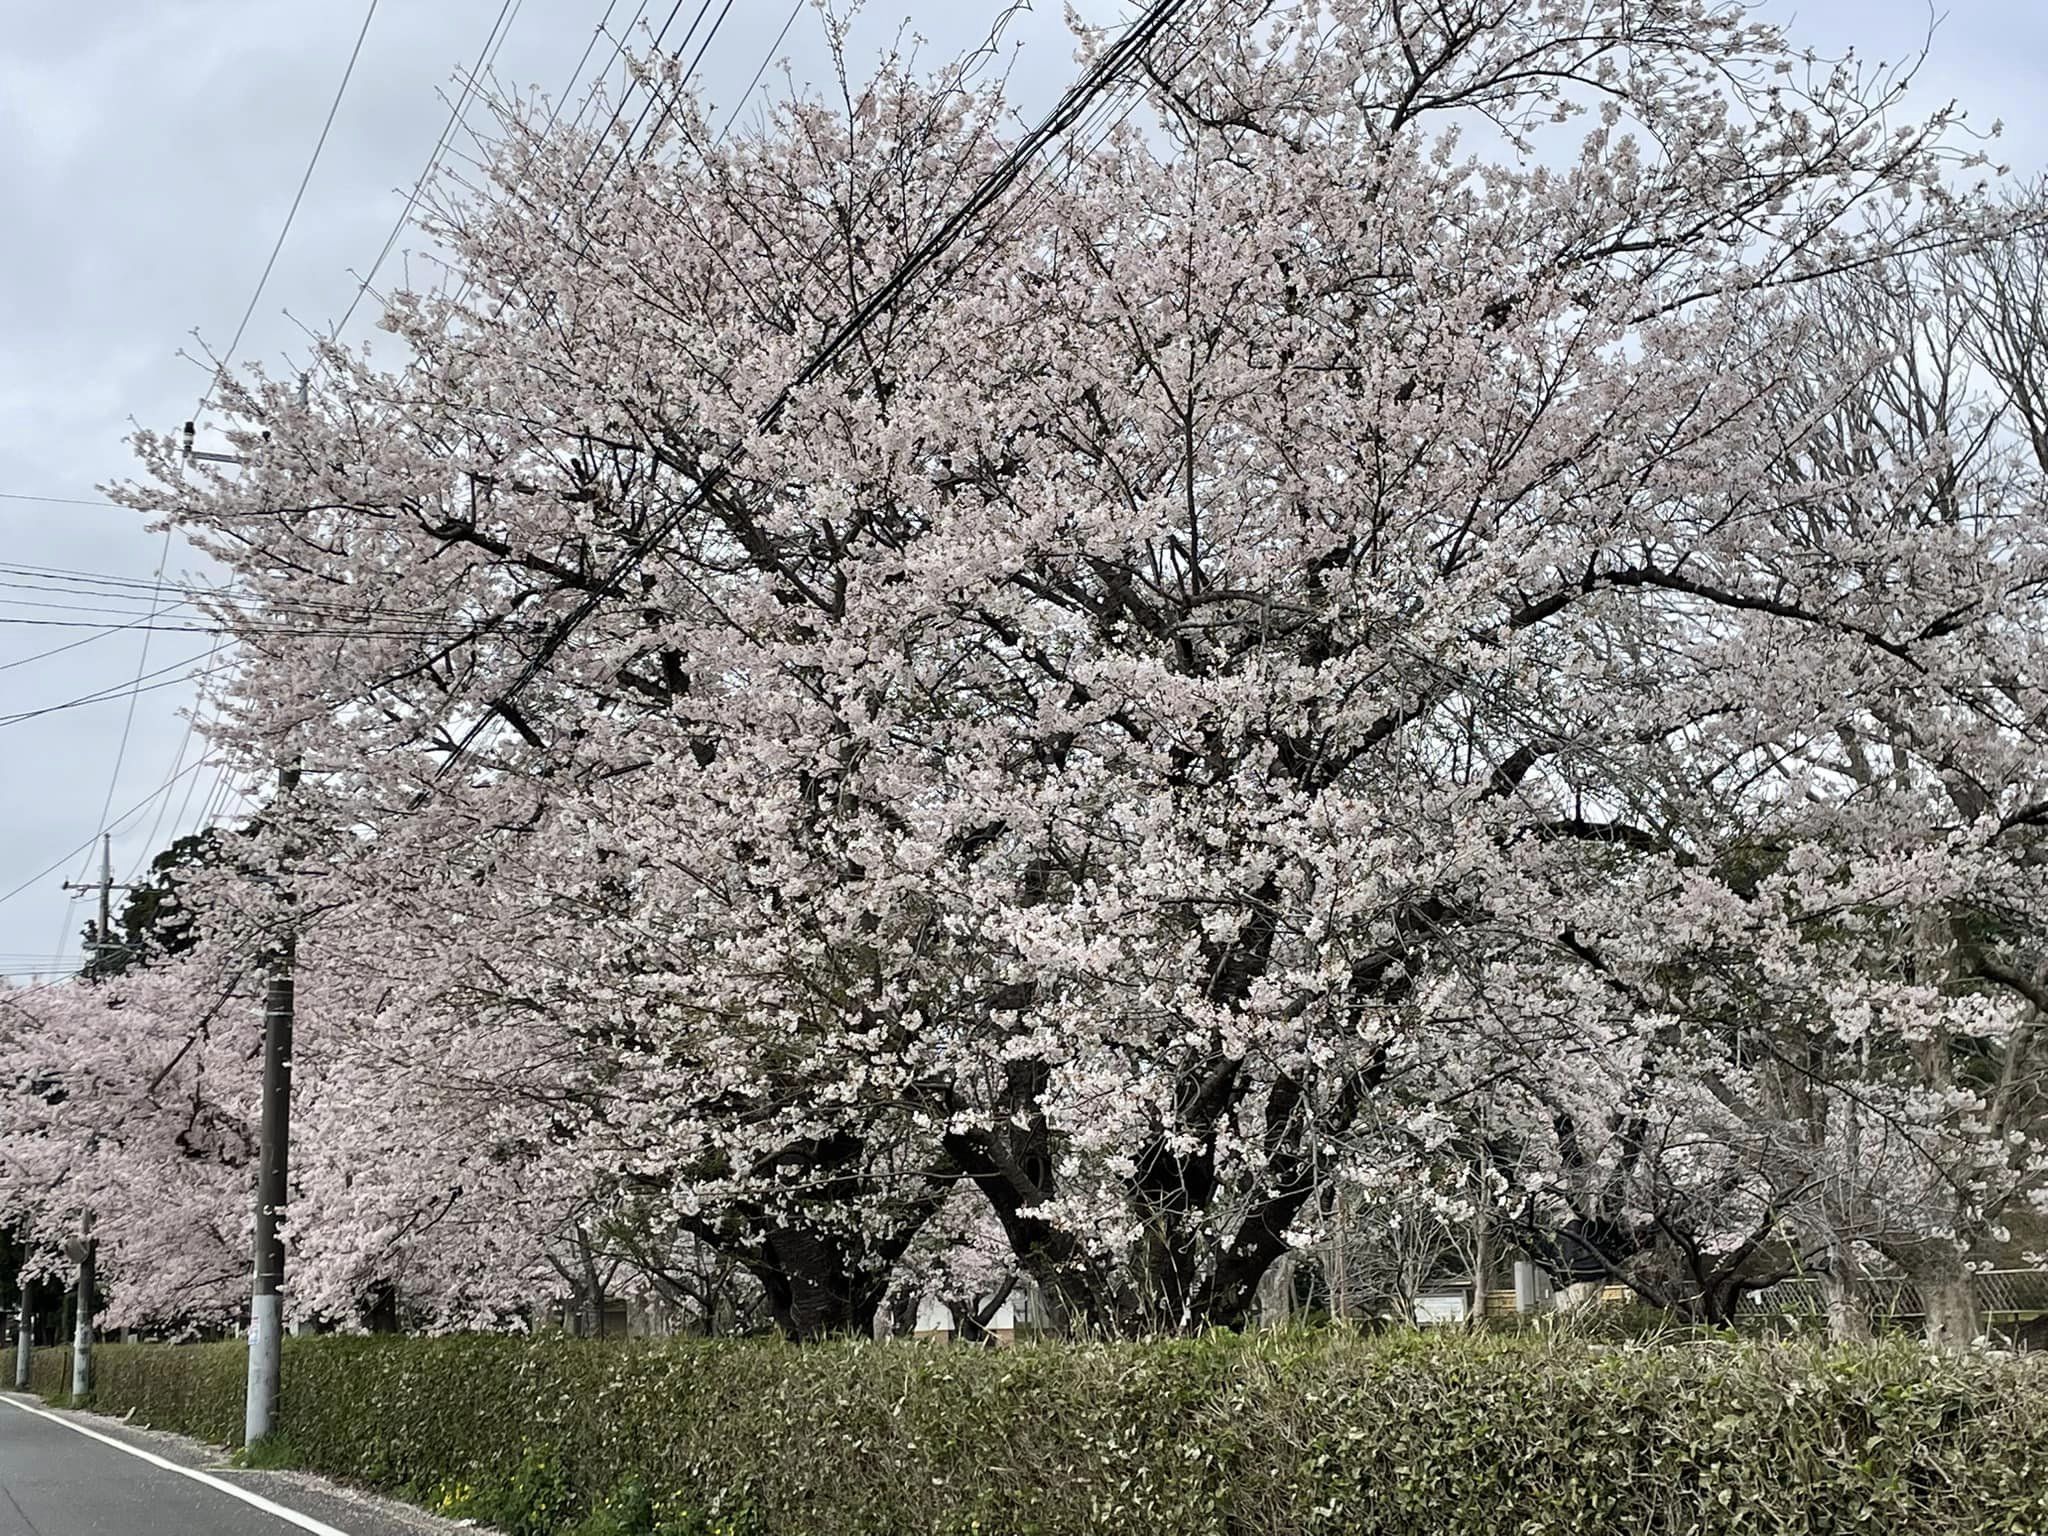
24 1345
266 1301
103 945
1482 1236
273 1173
84 1249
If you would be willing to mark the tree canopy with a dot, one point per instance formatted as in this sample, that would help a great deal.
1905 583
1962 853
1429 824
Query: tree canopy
1471 578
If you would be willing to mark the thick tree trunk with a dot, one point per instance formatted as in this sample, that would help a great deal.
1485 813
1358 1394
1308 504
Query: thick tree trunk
1729 1300
900 1319
820 1279
1013 1169
380 1311
816 1288
1949 1294
973 1314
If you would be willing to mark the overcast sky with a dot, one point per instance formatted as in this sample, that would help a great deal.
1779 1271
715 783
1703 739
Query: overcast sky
152 148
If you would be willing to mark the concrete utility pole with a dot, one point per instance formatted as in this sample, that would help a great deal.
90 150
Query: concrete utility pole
1482 1234
273 1175
266 1301
103 945
83 1250
24 1346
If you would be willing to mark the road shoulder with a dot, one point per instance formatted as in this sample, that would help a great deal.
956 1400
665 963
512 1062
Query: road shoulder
351 1510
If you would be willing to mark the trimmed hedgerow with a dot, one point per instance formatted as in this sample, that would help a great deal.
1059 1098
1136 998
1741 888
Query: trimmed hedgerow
195 1389
49 1372
1293 1435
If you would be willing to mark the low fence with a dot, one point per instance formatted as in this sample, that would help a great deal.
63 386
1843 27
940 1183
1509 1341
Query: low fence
2003 1296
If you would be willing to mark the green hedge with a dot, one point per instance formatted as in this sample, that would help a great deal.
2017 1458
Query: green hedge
1288 1435
49 1372
195 1389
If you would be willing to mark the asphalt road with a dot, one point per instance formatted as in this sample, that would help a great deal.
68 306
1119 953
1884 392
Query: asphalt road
56 1481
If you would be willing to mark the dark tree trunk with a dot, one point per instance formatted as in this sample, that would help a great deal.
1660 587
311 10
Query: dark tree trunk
903 1316
821 1280
380 1310
818 1286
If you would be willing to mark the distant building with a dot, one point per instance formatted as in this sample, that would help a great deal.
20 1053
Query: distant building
1022 1311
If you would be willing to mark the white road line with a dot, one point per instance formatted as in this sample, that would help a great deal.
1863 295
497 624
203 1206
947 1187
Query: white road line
289 1516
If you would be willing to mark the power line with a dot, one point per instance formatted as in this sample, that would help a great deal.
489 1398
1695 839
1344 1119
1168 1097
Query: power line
682 84
60 501
1108 65
100 578
555 107
591 96
185 803
575 74
1070 108
626 143
460 111
86 846
116 596
99 633
452 635
218 794
241 328
1099 114
493 40
130 690
625 94
135 690
766 59
297 197
82 583
177 764
30 602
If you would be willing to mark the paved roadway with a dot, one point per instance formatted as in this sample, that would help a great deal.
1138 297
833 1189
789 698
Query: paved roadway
55 1481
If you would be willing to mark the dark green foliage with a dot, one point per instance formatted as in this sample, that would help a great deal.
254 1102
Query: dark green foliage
269 1453
195 1389
49 1372
153 922
1275 1436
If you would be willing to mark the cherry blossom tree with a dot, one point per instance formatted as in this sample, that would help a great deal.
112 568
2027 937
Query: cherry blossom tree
1341 581
131 1104
1926 1125
116 1113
